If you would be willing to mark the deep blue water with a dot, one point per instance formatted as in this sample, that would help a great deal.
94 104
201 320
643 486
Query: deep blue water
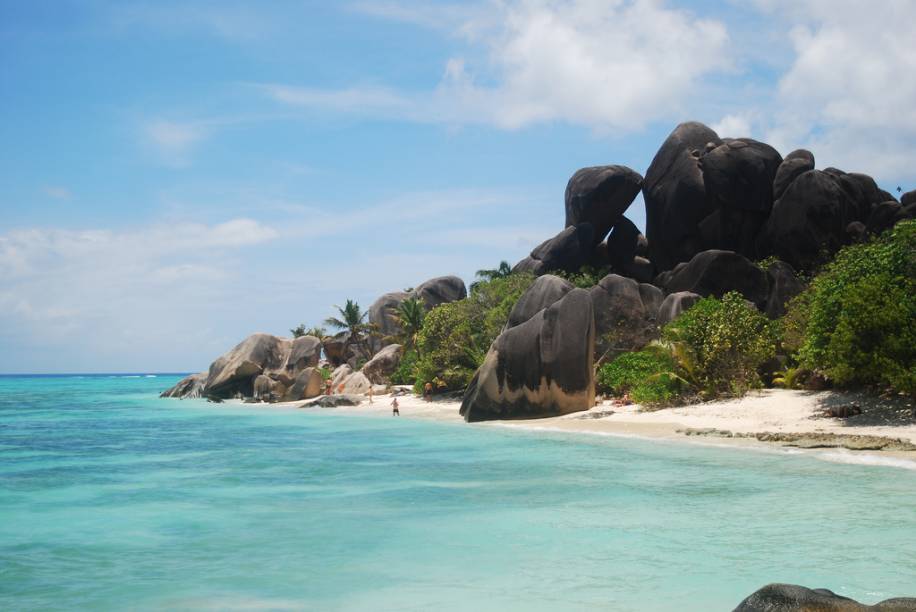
111 499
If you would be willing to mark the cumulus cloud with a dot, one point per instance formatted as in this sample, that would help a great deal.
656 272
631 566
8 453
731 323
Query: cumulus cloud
606 65
173 140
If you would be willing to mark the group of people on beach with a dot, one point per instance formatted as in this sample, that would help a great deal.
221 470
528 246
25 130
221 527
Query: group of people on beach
395 406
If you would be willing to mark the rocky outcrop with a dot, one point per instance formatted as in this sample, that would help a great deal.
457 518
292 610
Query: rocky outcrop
309 383
623 242
794 598
305 351
884 216
794 165
189 387
267 389
542 367
234 373
675 195
625 313
908 198
783 285
441 290
718 272
333 401
569 250
380 368
434 292
599 196
543 292
674 304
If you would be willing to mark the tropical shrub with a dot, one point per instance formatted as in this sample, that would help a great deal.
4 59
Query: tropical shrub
648 376
585 278
859 314
455 337
406 372
720 344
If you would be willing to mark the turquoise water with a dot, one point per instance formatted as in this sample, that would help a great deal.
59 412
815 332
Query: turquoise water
111 498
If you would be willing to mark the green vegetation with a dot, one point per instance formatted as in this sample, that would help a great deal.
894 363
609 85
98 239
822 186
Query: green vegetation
317 331
720 345
456 336
586 278
352 319
856 323
485 276
325 373
406 374
410 315
647 376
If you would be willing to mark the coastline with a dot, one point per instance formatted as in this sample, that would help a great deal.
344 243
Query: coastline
763 420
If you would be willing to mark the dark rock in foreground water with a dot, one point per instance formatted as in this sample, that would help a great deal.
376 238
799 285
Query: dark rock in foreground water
794 598
542 367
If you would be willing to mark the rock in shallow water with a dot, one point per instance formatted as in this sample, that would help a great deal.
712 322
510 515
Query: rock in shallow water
794 598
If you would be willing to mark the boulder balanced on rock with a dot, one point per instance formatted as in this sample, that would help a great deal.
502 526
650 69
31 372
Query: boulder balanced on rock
599 196
542 367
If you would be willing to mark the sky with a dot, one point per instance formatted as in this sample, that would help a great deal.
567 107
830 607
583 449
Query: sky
175 176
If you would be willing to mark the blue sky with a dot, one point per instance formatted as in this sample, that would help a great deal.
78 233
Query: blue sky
178 175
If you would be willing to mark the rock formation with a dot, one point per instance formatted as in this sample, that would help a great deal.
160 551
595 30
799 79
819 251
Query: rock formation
307 384
189 387
435 291
716 273
599 196
674 304
542 367
542 293
794 598
380 368
625 313
569 250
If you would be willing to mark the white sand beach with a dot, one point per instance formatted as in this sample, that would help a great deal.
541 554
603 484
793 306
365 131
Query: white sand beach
767 417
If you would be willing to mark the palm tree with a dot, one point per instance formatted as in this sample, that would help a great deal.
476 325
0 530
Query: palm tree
410 314
483 276
352 319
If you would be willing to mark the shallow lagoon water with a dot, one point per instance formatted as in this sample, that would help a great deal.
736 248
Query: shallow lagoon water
111 498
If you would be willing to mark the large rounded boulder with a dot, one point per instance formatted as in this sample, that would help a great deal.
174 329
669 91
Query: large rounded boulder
599 196
675 195
440 290
808 223
308 384
189 387
543 292
625 313
794 165
783 284
716 272
674 304
569 250
382 318
383 364
542 367
234 373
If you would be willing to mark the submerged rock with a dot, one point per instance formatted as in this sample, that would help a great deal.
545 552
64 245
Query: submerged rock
189 387
542 367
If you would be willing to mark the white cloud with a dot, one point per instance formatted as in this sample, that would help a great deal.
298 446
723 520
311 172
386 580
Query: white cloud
847 92
606 65
737 125
173 140
57 192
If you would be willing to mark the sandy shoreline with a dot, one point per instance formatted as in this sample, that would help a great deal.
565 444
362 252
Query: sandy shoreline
765 419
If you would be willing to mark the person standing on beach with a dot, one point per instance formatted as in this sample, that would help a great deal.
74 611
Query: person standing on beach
428 392
394 408
370 394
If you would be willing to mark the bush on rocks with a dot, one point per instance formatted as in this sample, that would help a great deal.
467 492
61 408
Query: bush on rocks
456 337
720 344
856 323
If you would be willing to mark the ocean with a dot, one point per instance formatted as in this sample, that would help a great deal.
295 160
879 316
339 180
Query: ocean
113 499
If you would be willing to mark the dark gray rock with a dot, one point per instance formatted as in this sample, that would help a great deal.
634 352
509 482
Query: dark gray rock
189 387
808 223
884 216
599 196
856 232
569 250
674 304
622 243
545 290
441 290
784 284
640 270
542 367
380 368
333 401
739 174
794 598
716 272
675 195
336 347
794 165
642 246
625 313
908 198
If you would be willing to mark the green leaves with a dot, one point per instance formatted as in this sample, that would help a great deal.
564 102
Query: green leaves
859 315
